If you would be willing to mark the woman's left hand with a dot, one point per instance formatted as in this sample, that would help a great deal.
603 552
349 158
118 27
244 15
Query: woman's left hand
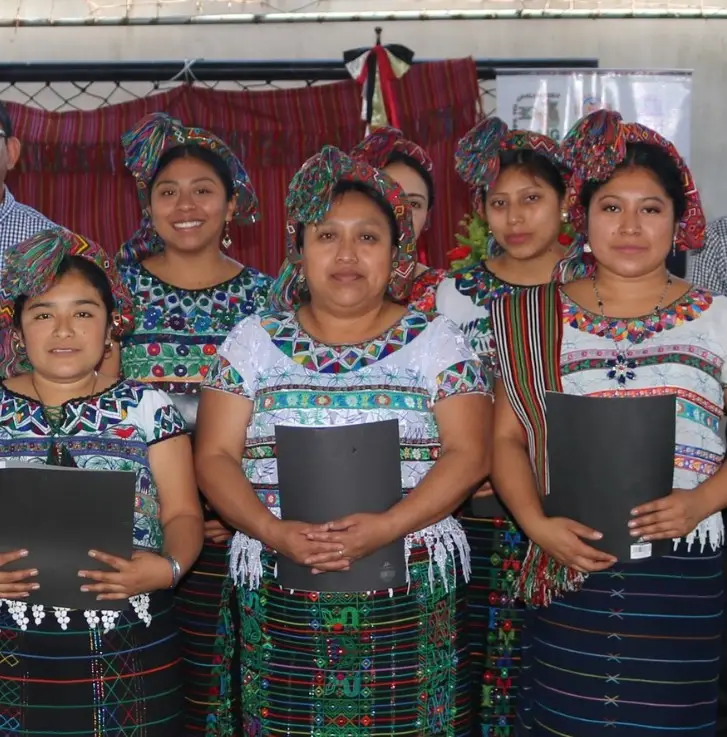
360 535
673 516
145 572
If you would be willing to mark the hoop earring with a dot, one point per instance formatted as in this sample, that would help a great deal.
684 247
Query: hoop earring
226 240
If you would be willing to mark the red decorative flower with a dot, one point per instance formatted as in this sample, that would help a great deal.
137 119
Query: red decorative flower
565 239
459 253
154 349
158 371
209 349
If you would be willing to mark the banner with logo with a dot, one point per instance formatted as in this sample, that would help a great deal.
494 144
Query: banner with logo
551 101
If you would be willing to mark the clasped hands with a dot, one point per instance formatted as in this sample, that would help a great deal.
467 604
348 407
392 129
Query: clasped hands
145 572
673 516
332 546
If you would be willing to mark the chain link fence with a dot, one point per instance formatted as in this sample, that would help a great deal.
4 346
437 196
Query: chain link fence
62 88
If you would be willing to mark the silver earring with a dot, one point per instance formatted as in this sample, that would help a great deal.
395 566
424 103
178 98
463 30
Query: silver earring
564 216
226 240
586 248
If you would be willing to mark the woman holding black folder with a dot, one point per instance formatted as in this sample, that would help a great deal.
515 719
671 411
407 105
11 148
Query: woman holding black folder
100 670
518 189
340 348
628 646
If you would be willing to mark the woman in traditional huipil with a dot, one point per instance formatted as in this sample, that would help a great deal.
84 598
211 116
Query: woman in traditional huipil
188 294
518 189
410 166
95 672
341 349
628 648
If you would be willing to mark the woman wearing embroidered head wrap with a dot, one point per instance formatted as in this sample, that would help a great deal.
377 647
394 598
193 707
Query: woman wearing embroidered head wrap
409 165
519 190
188 294
101 672
631 645
340 348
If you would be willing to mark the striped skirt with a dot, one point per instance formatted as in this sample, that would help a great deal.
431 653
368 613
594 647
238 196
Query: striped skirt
494 622
206 615
80 682
635 653
344 665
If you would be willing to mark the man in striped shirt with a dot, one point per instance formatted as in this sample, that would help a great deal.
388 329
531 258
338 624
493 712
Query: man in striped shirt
17 222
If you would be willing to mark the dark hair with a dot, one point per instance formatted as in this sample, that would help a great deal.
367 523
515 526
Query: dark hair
5 122
193 151
340 189
87 269
534 164
656 160
400 158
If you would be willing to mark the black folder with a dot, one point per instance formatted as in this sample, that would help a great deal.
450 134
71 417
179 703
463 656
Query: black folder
328 473
607 456
58 514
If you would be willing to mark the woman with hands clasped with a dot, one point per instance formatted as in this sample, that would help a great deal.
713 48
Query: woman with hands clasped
338 348
631 645
101 672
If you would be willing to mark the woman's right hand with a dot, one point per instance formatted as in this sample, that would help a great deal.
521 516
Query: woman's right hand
562 538
13 585
290 539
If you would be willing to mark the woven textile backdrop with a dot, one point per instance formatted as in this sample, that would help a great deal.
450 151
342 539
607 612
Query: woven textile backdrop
72 166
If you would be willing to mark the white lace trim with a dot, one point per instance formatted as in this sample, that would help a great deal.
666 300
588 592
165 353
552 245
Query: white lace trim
21 612
710 530
444 541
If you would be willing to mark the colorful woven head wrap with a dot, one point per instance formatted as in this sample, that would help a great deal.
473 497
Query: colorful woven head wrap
595 147
477 158
377 149
310 196
31 268
477 161
145 144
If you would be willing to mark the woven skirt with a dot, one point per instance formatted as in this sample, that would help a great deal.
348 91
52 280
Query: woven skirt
80 682
635 653
494 622
206 614
350 664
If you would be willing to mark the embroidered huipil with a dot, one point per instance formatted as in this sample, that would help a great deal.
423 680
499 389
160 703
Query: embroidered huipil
681 350
295 380
177 331
110 431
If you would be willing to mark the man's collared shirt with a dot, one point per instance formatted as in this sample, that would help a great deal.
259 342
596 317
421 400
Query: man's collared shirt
707 267
18 223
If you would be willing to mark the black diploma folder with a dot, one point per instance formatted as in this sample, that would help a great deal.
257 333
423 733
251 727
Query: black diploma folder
607 456
58 514
328 473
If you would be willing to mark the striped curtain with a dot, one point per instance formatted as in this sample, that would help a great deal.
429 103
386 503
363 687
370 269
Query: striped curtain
72 168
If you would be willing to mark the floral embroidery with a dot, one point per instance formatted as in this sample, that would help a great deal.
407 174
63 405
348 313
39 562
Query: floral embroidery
621 368
178 331
636 330
481 285
423 297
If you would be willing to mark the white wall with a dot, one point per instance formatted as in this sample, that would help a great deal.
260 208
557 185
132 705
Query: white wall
650 44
